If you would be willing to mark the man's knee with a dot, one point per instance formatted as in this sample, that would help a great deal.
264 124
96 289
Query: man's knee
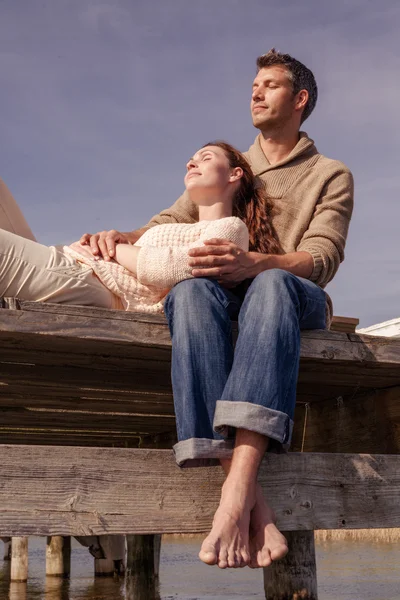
189 294
273 280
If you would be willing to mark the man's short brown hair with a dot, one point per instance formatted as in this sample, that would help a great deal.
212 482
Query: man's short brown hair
300 76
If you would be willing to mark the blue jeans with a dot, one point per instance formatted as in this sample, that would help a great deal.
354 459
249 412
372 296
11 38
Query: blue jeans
218 388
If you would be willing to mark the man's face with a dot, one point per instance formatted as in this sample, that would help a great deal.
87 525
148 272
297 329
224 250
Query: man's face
272 100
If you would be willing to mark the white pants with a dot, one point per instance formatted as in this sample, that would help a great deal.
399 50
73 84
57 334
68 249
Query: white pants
31 271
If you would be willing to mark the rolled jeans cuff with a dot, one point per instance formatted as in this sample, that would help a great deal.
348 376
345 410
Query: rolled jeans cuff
202 452
274 424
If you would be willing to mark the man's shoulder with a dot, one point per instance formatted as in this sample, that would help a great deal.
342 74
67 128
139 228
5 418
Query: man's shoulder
332 164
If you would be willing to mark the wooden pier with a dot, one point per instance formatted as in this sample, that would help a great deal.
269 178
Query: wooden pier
87 425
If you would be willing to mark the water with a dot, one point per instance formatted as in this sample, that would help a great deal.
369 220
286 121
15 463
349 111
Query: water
346 571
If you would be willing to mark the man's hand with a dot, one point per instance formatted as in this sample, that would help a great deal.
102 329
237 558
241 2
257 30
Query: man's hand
223 260
102 244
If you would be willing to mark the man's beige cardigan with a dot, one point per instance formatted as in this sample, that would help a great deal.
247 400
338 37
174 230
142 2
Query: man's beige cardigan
312 199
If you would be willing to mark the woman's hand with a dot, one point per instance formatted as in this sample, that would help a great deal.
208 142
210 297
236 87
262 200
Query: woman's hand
223 260
83 250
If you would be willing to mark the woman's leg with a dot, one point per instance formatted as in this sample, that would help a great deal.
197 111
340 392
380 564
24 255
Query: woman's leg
31 271
199 314
11 217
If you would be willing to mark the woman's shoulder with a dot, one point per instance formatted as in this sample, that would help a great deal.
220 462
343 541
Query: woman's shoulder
230 228
166 230
228 224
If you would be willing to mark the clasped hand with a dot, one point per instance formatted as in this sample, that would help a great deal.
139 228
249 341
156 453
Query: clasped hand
221 260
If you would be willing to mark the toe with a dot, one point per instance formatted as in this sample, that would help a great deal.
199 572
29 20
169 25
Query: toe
223 559
245 558
279 551
231 559
208 554
264 558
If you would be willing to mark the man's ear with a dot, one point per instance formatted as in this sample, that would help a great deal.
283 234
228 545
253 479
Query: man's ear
301 100
236 174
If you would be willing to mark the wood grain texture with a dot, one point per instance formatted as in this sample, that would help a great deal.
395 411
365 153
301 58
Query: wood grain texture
355 423
92 491
19 559
295 576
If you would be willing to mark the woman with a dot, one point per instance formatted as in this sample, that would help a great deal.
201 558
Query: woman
219 181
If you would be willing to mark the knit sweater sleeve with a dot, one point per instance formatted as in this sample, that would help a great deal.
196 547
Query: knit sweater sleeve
326 235
182 211
163 267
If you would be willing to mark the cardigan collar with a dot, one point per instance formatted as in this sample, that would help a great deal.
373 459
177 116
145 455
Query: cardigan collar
260 163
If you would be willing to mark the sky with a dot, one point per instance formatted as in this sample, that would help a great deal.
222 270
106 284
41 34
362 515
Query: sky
103 102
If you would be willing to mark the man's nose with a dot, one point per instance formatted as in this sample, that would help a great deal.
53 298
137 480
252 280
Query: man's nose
256 94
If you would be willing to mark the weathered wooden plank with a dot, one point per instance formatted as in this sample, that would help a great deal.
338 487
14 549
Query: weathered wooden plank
69 396
346 324
91 491
87 420
356 424
58 320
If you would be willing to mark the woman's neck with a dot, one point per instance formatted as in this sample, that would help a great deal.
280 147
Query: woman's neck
215 211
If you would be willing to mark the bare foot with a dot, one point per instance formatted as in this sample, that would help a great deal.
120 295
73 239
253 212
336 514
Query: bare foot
266 541
227 545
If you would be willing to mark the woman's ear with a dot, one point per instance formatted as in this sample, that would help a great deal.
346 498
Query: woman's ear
236 174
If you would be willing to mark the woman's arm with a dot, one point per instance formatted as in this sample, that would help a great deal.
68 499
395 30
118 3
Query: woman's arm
165 266
127 256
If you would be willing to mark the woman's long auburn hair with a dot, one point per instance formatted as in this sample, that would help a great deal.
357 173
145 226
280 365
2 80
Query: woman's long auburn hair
251 203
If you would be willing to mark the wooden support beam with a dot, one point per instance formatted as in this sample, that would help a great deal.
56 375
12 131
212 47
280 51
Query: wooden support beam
295 576
17 591
113 547
7 548
109 491
58 556
142 567
19 559
361 423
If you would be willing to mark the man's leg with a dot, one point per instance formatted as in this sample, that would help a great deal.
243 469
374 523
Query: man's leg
11 217
229 543
258 402
199 314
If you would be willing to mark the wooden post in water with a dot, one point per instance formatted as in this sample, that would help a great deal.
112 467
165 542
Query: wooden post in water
142 567
295 576
7 548
19 559
17 591
58 556
113 547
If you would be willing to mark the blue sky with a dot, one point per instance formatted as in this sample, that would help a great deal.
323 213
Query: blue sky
102 103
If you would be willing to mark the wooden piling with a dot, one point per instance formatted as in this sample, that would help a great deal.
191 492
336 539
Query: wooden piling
113 547
295 576
58 556
19 559
17 591
7 548
142 566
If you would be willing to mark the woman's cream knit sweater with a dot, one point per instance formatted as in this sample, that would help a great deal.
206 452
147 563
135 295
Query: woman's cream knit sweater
162 261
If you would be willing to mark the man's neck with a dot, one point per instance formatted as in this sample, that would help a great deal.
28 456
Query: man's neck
278 145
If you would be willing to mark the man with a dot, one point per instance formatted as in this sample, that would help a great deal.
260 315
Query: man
312 199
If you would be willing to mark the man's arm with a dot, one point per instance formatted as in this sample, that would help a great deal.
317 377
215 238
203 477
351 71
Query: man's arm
318 255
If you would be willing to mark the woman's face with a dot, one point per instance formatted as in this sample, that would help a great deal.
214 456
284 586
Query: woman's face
208 171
